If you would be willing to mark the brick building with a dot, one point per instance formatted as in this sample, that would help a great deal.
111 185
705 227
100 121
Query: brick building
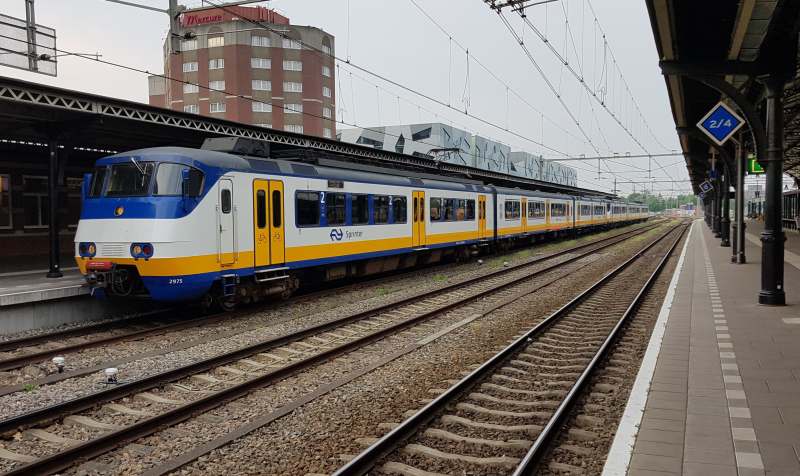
281 77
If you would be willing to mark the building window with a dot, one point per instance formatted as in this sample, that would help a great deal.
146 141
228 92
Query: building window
260 63
268 126
291 44
289 65
326 91
326 49
326 71
5 201
296 128
190 67
262 85
293 108
259 41
34 201
292 87
261 106
215 41
216 63
218 85
192 108
188 45
326 133
326 112
217 107
189 88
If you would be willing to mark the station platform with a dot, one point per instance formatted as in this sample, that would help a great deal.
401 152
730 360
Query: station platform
718 392
22 287
753 229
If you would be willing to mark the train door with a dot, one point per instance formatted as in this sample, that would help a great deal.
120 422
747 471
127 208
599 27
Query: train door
268 222
276 222
523 213
262 235
481 216
226 219
418 238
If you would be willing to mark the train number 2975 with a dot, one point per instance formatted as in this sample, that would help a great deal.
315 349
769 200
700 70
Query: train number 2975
175 280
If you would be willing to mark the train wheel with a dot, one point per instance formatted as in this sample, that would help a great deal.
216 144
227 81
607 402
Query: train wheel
227 304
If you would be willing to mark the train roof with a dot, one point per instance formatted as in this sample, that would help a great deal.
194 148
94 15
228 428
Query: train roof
220 162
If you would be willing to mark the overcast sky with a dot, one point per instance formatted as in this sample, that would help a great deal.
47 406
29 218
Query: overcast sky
394 39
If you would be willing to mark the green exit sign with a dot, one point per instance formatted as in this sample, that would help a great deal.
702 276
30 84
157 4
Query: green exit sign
753 167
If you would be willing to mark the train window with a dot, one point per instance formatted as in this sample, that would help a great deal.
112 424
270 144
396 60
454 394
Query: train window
130 179
558 210
380 209
261 209
470 210
169 180
225 200
512 209
535 210
307 208
98 179
416 205
422 209
586 210
359 209
449 209
436 209
335 205
400 210
277 206
461 209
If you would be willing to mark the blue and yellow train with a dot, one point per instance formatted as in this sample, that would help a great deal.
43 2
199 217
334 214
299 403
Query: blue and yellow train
179 224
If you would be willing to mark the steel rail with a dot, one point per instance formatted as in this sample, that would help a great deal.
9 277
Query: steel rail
104 443
551 430
86 402
16 344
34 357
366 460
78 372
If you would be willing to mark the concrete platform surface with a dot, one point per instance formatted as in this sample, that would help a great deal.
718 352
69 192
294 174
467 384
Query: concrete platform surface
723 395
33 286
753 229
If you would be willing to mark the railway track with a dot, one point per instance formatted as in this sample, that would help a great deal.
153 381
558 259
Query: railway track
503 417
55 437
37 350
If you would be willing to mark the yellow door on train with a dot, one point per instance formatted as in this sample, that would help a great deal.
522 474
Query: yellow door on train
276 222
481 216
523 213
418 223
261 236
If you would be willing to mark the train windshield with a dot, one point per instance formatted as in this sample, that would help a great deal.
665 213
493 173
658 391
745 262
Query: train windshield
130 179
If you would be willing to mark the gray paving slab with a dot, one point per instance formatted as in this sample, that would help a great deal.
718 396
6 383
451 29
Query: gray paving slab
725 395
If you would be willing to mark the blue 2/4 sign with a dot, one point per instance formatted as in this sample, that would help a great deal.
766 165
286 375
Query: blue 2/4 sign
720 123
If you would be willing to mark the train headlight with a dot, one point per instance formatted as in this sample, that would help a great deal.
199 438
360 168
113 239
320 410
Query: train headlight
87 250
142 250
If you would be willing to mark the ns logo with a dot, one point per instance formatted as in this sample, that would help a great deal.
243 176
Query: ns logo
336 234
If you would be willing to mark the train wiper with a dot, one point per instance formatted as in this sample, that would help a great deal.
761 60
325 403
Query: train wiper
138 167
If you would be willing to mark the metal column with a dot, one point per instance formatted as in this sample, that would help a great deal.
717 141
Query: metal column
717 223
772 237
52 186
738 238
725 221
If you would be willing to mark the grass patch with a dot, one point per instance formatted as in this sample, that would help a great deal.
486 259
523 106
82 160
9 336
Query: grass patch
30 387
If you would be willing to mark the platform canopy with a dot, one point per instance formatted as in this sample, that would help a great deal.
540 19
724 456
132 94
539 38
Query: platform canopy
41 114
730 45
